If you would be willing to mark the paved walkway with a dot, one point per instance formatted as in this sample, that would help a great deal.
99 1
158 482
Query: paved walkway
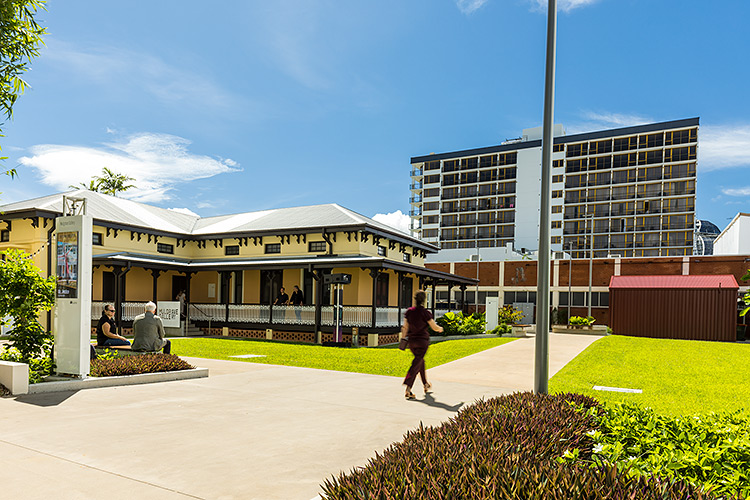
249 431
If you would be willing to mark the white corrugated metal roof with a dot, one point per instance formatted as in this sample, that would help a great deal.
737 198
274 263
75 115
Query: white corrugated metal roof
131 213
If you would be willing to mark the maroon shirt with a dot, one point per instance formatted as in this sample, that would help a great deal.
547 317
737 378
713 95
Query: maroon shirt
418 318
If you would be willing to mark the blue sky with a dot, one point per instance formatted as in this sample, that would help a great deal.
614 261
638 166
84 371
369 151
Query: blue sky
250 105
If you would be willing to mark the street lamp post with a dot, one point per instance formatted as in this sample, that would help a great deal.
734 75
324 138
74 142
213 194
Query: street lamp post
591 260
541 362
570 276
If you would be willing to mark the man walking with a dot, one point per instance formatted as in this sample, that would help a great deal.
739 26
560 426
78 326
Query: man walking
149 332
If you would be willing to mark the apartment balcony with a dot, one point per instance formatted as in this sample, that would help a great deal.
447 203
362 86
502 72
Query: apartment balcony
415 186
416 172
415 199
415 213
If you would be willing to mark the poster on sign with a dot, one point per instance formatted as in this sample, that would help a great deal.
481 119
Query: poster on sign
67 265
169 312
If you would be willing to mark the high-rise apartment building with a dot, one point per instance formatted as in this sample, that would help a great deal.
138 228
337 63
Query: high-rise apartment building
627 191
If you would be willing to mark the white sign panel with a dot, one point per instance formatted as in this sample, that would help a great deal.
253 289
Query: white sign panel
169 312
491 311
73 304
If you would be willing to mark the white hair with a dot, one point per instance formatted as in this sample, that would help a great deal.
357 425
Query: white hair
150 306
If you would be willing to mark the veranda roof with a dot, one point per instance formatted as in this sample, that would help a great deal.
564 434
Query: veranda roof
322 262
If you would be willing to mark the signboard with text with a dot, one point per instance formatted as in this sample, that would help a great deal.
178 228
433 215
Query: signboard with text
169 312
67 265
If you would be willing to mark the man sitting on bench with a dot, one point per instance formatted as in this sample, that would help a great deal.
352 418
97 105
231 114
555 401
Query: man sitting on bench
106 330
149 332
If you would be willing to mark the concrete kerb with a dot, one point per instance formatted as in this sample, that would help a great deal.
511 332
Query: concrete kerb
95 382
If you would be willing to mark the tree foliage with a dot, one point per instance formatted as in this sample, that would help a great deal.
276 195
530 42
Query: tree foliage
109 182
24 294
20 41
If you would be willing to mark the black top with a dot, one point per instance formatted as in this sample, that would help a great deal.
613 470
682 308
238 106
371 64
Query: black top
281 299
297 298
418 318
100 337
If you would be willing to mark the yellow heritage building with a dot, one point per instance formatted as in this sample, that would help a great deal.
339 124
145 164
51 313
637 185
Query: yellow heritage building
231 267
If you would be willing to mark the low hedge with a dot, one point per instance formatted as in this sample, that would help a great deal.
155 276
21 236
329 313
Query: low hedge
133 365
711 450
507 447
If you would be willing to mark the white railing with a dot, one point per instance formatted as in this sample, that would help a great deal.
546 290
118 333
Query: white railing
360 316
248 313
205 312
294 315
386 316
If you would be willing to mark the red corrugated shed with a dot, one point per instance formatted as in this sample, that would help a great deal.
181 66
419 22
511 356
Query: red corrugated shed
694 281
674 307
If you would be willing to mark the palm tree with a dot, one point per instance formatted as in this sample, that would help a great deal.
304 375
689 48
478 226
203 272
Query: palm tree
108 183
113 183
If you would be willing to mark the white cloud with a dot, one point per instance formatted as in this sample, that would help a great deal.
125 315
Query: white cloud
470 6
186 211
723 146
594 120
157 162
120 68
396 220
743 191
563 5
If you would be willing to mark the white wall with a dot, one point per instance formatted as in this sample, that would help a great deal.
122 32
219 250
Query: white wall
735 239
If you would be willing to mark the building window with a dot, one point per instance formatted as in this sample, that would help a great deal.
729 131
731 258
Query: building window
381 251
4 235
557 194
232 250
557 178
555 240
316 247
557 209
556 224
558 163
407 257
558 148
96 239
273 248
164 248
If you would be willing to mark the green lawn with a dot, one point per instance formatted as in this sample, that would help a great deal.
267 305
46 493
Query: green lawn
676 376
377 361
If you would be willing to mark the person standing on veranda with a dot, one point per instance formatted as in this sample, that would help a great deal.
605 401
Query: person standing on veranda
416 323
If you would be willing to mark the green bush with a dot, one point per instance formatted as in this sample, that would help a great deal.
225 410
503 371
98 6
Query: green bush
502 329
142 363
506 447
25 295
509 315
458 324
581 321
711 450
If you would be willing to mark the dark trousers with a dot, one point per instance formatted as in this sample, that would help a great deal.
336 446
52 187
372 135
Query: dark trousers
417 366
167 347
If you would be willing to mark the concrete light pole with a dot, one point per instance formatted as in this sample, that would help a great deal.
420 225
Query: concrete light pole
591 260
541 364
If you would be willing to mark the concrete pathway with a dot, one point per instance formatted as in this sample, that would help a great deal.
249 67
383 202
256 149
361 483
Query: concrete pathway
249 431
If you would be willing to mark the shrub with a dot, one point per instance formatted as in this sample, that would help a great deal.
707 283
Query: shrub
580 320
501 329
143 363
450 322
25 295
505 447
711 450
509 315
458 324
